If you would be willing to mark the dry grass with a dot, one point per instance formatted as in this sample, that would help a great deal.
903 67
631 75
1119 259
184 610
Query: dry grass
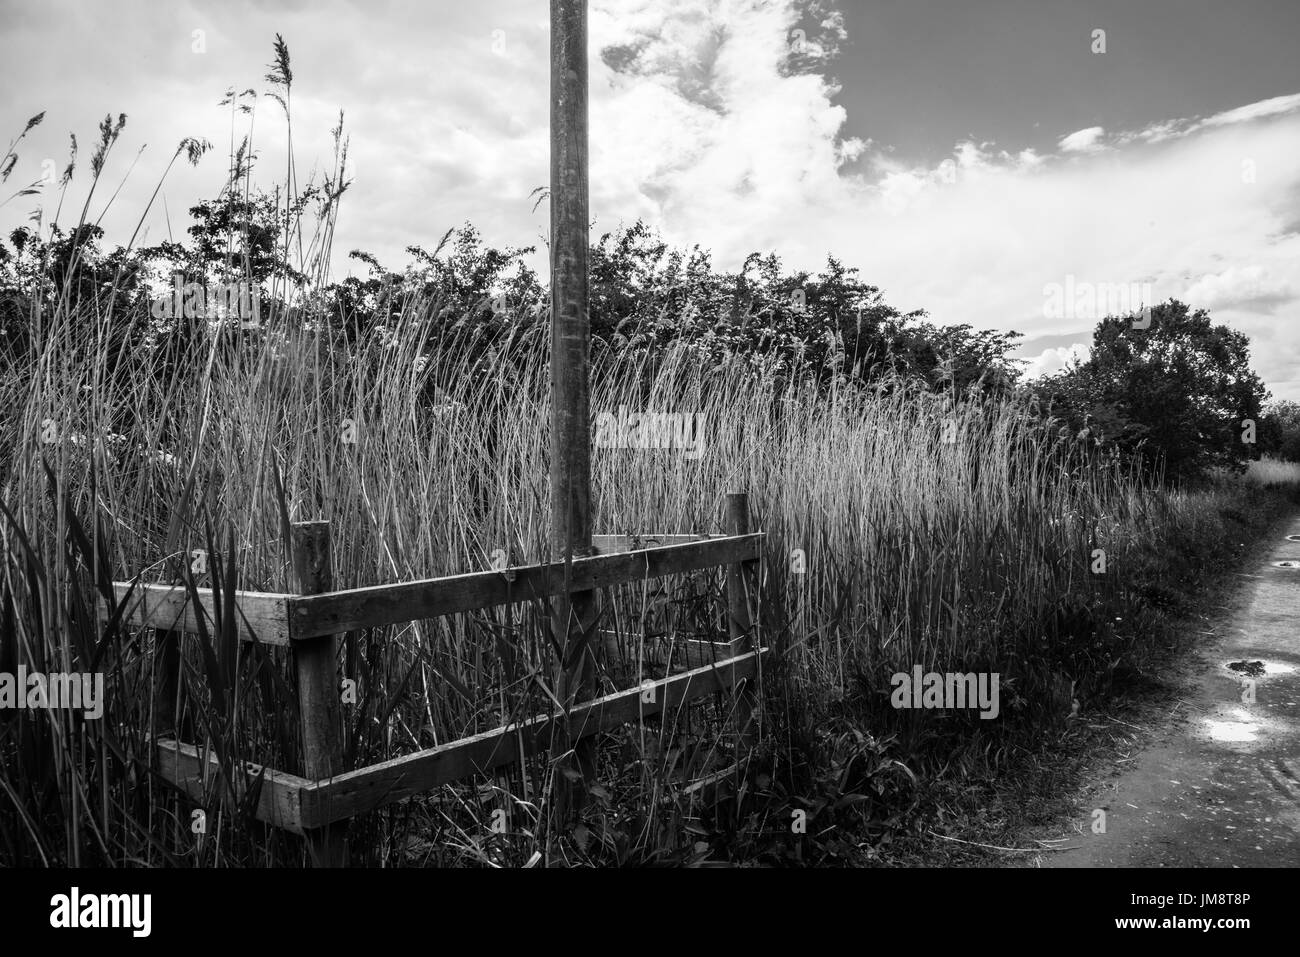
1270 471
955 556
426 448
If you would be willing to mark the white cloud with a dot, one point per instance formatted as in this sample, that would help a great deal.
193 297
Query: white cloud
758 152
1054 360
1082 141
1276 106
1173 128
1241 286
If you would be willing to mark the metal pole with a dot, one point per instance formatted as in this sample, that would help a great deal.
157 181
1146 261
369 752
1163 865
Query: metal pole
573 618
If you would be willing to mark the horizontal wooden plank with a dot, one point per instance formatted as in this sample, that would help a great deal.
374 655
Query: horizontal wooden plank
368 788
690 652
261 614
334 612
277 804
609 544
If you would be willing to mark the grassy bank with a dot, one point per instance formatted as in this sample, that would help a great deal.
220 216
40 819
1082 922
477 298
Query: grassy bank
959 539
903 531
995 819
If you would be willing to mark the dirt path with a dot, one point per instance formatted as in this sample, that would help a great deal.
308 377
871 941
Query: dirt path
1220 787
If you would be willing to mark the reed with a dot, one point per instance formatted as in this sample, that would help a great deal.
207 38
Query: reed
903 530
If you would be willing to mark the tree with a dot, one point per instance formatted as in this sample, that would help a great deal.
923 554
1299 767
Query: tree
644 295
232 238
1179 392
1280 430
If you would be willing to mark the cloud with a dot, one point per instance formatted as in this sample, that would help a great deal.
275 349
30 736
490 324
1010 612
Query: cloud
1277 106
1082 141
761 151
1172 128
1242 287
1050 361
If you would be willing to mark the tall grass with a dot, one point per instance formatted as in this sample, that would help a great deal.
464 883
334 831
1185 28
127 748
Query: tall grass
1270 471
902 530
969 555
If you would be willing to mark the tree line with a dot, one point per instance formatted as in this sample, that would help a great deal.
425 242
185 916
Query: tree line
1176 393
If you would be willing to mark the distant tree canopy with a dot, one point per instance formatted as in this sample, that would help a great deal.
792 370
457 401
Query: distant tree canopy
643 294
1180 393
1280 430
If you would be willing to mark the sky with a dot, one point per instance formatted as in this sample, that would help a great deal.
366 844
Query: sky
1010 164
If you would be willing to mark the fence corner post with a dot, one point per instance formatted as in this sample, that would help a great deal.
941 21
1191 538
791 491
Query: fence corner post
316 664
168 649
741 585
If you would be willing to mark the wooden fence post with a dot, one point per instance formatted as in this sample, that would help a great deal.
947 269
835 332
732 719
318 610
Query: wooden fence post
316 662
168 648
573 620
741 585
167 656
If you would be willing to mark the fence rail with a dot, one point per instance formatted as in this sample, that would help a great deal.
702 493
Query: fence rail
310 621
280 619
261 616
378 605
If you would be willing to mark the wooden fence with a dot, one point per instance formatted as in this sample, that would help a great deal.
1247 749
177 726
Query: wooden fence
311 620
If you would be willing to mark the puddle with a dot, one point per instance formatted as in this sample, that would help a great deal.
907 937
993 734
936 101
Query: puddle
1253 669
1240 731
1293 538
1238 726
